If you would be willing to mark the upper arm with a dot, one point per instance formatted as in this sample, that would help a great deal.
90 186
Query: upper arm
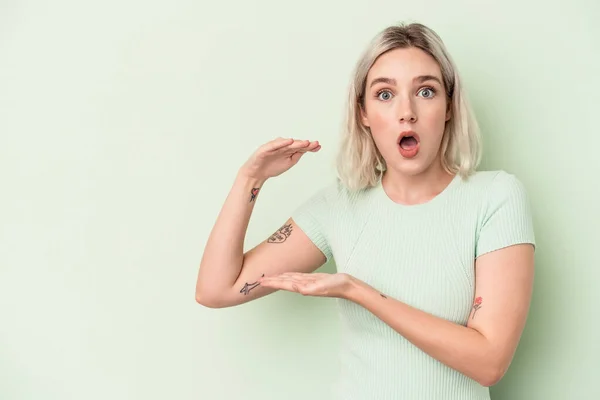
301 244
504 269
503 288
288 249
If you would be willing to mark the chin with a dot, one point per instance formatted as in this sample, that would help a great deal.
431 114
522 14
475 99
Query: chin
410 167
410 170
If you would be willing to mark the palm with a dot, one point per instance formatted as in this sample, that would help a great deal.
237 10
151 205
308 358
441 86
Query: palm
315 284
323 284
276 164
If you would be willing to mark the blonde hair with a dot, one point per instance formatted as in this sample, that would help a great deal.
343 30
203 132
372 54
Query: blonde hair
359 163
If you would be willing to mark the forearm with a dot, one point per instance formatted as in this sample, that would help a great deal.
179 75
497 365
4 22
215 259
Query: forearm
459 347
224 251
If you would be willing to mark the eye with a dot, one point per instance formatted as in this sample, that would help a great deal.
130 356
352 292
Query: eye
384 95
431 92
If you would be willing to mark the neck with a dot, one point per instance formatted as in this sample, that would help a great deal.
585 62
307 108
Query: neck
416 189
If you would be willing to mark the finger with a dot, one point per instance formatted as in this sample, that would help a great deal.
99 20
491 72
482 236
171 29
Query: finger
301 282
304 288
280 284
292 275
307 145
284 279
304 278
307 288
273 280
314 145
296 156
310 147
297 145
278 143
297 286
280 280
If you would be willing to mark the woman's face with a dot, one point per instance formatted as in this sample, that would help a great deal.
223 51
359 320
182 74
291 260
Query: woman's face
405 92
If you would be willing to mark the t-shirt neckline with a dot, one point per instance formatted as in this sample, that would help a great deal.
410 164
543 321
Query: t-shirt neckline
429 203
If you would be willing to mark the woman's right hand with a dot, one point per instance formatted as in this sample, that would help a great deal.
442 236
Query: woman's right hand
277 156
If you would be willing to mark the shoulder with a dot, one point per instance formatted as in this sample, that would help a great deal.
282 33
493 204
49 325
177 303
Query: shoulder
493 178
335 193
505 216
495 185
501 193
334 199
493 193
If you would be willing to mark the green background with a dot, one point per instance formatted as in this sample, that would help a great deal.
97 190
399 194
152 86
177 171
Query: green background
123 123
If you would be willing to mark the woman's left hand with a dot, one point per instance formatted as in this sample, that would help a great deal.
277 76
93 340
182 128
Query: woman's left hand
315 284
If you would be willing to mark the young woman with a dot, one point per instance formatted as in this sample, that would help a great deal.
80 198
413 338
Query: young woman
435 260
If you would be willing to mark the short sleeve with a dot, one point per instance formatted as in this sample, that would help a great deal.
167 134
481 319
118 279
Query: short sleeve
506 218
313 218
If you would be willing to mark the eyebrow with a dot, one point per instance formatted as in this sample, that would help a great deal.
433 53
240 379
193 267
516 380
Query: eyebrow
419 79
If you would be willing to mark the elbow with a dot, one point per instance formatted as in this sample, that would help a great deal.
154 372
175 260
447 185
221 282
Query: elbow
208 300
203 301
491 375
490 380
206 297
495 361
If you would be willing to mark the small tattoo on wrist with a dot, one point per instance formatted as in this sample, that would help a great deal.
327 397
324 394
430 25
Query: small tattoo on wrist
253 194
249 286
281 235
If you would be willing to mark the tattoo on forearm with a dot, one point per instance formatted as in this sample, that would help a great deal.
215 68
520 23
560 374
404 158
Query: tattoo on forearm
253 194
476 305
281 235
382 295
249 286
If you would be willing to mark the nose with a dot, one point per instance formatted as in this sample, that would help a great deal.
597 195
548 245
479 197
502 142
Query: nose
406 111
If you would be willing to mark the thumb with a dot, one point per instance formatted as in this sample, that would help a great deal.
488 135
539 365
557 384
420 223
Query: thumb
296 157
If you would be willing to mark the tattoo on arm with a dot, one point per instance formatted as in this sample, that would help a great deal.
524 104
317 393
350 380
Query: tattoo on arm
249 286
476 305
253 194
382 295
281 235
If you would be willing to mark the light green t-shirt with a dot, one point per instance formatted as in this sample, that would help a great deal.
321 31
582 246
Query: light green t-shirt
423 255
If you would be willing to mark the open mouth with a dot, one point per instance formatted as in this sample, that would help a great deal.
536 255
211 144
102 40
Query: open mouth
408 142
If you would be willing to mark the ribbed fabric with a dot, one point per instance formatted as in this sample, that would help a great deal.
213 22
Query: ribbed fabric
422 255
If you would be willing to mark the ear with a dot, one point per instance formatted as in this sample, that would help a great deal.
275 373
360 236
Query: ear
449 112
363 116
